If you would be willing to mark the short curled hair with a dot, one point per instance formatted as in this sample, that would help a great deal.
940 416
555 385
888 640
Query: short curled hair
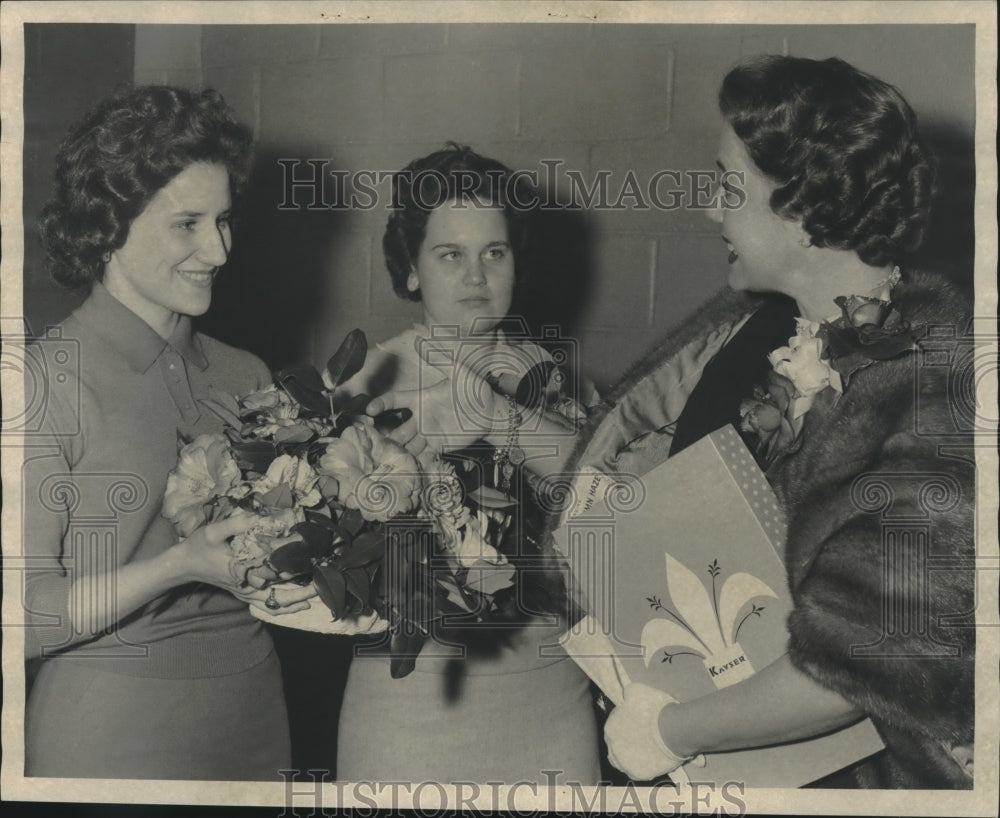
448 175
842 148
116 159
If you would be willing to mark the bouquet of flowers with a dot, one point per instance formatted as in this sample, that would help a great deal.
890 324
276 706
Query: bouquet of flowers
388 544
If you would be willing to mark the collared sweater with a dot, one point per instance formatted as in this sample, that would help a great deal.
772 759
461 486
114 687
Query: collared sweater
113 397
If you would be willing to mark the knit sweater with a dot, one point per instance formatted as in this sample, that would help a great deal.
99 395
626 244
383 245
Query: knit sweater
116 396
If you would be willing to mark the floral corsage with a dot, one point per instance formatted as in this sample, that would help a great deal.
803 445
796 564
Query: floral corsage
822 356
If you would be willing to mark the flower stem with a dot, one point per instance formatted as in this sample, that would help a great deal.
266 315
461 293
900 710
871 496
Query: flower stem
715 605
684 625
753 612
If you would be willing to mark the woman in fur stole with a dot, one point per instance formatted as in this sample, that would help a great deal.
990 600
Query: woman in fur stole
826 190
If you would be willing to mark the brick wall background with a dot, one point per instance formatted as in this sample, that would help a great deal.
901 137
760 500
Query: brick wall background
614 98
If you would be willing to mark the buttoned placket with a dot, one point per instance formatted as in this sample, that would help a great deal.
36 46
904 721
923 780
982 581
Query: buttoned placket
174 371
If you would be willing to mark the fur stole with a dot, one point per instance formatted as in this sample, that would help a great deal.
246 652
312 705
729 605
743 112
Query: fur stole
881 508
894 426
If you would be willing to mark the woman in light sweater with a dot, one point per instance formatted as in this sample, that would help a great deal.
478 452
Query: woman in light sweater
151 665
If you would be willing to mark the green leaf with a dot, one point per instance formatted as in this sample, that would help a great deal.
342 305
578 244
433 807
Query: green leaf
358 585
296 557
348 360
366 548
404 647
317 536
453 593
329 487
305 386
225 399
294 434
488 579
223 412
354 405
532 387
320 516
278 497
418 607
253 455
351 520
332 589
486 497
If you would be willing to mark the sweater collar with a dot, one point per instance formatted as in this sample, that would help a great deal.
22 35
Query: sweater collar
132 337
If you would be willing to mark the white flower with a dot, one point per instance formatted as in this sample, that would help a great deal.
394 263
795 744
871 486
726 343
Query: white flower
297 474
801 363
274 401
443 495
375 475
470 546
205 471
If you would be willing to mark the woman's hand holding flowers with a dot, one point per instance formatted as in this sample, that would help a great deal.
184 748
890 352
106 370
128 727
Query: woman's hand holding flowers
207 556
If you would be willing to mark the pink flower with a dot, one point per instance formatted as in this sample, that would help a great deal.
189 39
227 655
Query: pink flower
275 402
470 544
443 496
375 475
205 471
251 548
770 415
347 459
296 474
859 311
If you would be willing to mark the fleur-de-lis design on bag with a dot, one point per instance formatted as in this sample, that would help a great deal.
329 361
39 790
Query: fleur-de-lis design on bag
705 625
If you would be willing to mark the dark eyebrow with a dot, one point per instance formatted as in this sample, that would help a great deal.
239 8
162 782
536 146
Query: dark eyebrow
449 245
196 214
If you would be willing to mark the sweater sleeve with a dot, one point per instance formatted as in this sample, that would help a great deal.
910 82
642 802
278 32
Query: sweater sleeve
49 495
261 373
881 566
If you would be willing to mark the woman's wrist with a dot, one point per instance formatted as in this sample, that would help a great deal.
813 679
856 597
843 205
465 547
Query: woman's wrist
670 723
174 566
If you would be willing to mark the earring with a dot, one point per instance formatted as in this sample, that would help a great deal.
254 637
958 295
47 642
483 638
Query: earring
106 257
412 282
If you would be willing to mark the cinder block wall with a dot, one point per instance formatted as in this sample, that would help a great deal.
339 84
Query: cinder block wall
597 98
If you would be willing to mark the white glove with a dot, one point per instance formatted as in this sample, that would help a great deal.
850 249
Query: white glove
632 733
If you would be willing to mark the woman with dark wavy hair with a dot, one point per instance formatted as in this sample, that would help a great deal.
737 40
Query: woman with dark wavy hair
451 174
826 191
151 665
439 201
483 703
836 192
